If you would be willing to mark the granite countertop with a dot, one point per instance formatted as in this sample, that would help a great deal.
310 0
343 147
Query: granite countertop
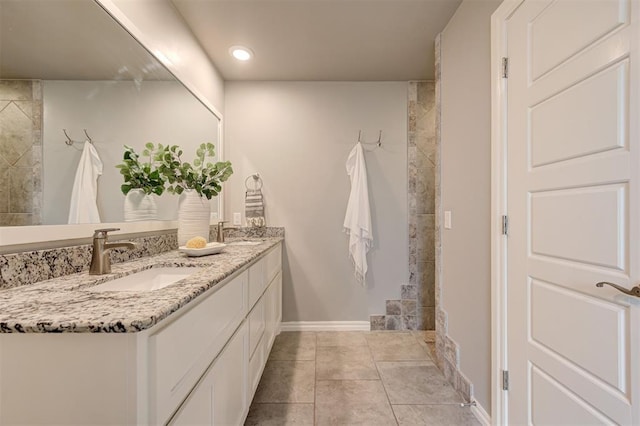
68 305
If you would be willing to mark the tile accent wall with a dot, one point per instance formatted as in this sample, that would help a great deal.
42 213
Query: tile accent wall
415 310
422 174
20 152
29 267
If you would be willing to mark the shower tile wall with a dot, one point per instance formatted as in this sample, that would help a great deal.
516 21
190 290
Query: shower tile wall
422 168
415 309
20 152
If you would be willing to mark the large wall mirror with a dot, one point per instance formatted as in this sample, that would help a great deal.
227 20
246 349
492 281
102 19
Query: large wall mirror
67 65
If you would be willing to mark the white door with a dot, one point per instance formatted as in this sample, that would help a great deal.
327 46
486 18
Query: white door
573 204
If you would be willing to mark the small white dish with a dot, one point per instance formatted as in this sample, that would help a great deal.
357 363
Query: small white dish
210 248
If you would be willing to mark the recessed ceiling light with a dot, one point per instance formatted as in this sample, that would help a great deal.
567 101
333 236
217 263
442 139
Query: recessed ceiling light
241 53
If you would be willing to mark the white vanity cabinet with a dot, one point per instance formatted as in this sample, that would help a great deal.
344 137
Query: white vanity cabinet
224 394
200 365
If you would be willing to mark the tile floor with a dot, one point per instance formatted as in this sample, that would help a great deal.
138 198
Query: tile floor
354 378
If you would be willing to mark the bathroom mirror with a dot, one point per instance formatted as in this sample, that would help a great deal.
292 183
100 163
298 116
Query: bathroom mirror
67 65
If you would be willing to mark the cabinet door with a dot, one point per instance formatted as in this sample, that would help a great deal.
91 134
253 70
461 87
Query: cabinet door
220 398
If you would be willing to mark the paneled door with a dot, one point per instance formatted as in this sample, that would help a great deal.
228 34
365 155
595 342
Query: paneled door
574 216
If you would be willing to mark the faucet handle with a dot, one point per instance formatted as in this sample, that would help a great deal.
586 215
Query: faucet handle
102 233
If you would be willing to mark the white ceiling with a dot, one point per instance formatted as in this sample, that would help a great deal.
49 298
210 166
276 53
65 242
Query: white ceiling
350 40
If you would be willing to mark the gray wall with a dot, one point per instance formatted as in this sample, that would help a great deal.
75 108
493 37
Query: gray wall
466 175
298 135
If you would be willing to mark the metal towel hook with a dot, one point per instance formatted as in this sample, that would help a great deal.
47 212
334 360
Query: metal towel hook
69 141
88 137
378 143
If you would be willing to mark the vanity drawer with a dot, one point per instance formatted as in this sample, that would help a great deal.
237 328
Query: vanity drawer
262 272
257 323
181 351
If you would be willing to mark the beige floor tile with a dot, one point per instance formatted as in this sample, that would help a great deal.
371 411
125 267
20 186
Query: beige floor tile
352 402
294 345
434 415
396 346
345 363
280 415
416 383
341 338
287 381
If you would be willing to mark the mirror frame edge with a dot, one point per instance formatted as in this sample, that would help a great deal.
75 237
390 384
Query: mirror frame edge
24 238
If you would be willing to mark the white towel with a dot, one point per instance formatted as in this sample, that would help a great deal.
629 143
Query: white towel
83 207
357 221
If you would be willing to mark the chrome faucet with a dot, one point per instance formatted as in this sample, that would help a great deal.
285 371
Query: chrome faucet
100 260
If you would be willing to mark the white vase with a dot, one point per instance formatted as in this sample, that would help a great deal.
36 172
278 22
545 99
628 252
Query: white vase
139 206
194 212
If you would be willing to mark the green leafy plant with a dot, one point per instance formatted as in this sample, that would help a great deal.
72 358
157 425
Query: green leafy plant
141 173
203 176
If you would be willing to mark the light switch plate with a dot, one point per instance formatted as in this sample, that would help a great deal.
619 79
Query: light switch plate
237 219
447 219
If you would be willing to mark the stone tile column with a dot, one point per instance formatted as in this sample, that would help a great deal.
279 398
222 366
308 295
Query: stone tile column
20 152
422 167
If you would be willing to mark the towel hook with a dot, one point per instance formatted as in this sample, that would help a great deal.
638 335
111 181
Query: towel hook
378 143
88 137
69 141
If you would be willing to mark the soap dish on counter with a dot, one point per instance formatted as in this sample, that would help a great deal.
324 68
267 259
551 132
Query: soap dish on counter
210 248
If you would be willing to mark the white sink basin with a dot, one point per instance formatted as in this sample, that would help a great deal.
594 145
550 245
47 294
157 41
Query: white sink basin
244 243
147 280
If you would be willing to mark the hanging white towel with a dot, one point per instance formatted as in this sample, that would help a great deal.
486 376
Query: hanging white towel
357 221
83 207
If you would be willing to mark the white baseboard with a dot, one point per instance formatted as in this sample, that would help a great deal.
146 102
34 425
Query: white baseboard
481 414
325 326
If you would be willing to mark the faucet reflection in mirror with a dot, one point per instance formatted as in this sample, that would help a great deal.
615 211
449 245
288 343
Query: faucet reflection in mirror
20 152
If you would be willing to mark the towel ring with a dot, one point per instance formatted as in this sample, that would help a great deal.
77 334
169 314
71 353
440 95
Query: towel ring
256 180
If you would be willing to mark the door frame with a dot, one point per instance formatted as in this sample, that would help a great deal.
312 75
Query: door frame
499 398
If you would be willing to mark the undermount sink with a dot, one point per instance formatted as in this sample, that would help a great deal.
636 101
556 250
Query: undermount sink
244 243
147 280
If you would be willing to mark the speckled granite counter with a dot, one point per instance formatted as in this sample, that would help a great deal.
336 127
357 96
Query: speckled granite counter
67 304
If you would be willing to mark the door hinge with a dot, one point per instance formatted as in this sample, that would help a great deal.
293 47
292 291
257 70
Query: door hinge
505 225
505 67
505 380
